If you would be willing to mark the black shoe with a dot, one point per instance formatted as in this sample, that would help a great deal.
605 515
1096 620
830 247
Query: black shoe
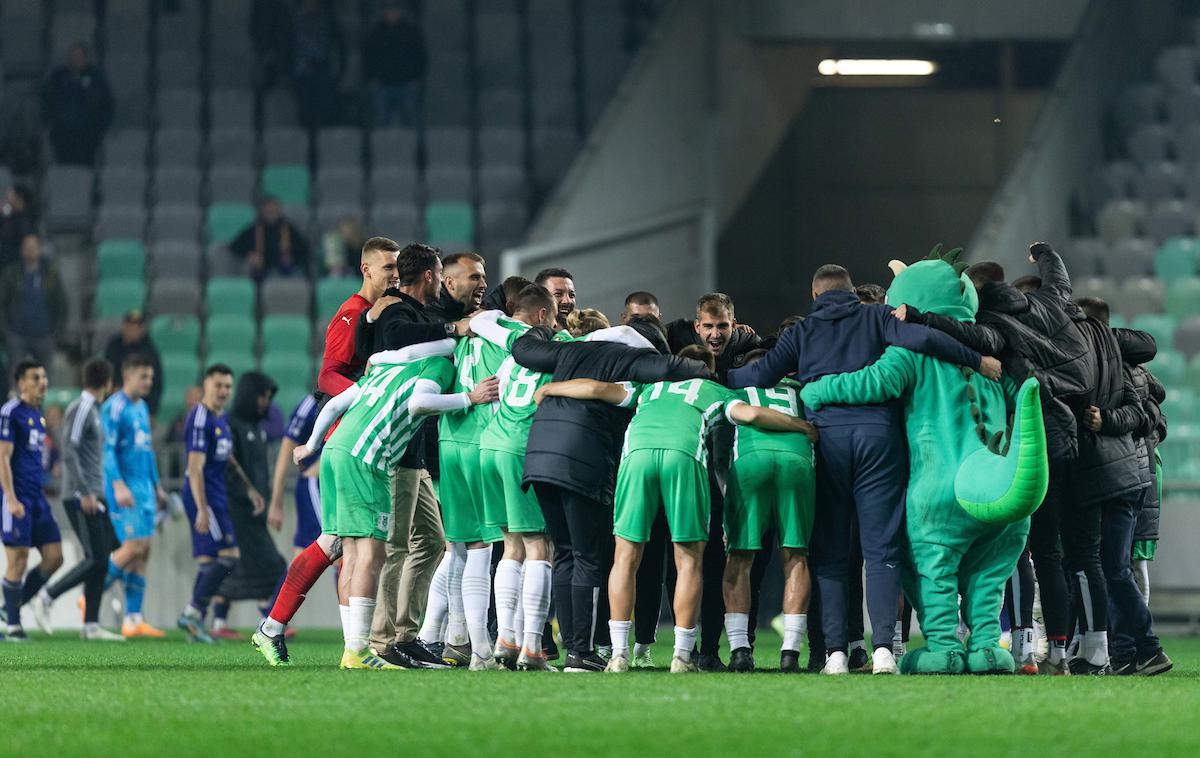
1123 668
816 662
1158 663
549 646
17 635
398 653
420 652
858 660
437 648
584 663
711 663
741 660
789 662
1082 667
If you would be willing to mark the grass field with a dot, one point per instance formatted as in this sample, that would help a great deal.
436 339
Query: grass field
63 697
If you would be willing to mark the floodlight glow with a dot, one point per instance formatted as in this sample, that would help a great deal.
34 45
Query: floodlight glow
875 67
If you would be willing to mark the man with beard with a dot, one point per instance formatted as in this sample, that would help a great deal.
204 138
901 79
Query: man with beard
561 285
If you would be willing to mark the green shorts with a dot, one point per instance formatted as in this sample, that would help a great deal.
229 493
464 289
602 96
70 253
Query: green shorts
1144 550
651 479
766 489
356 499
506 505
460 490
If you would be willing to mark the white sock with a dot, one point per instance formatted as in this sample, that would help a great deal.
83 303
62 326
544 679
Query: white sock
219 623
273 628
898 635
737 630
1095 647
456 629
1141 575
519 612
476 597
438 604
508 593
685 640
91 626
535 597
618 631
795 626
344 612
359 617
1057 651
640 648
134 619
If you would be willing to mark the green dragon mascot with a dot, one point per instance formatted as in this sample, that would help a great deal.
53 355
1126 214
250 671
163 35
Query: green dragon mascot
971 489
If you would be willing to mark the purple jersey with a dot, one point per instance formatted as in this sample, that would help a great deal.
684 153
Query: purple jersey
208 433
300 426
23 426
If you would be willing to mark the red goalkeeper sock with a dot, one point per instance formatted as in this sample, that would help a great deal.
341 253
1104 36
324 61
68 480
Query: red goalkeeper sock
304 572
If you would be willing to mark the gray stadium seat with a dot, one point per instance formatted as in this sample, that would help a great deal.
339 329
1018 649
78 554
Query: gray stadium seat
1139 295
339 146
502 224
1187 336
120 222
449 18
21 36
497 35
1187 144
1150 143
221 262
298 215
551 52
554 107
179 66
501 108
1130 258
68 192
176 222
499 147
126 71
447 106
234 147
1176 67
1183 107
279 108
177 184
340 183
1085 256
1170 218
396 220
178 108
174 296
448 146
127 146
1119 219
180 147
286 295
1142 103
1095 286
393 146
232 184
448 183
231 109
123 185
128 30
502 183
230 53
553 152
285 145
330 213
1159 181
178 258
393 184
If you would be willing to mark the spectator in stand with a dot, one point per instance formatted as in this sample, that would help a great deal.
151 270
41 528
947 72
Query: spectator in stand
77 105
17 220
318 57
134 338
32 304
343 247
271 244
394 63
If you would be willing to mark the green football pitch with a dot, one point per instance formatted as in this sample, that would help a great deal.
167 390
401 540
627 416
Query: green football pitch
63 697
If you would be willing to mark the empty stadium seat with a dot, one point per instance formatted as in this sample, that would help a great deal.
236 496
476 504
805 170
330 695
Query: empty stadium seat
179 108
286 295
120 221
123 185
118 258
501 108
1150 143
174 295
449 224
287 334
226 220
1119 219
340 183
232 184
1169 366
180 147
1140 103
1176 67
396 220
126 147
230 146
331 293
176 335
1139 295
1159 181
501 147
68 198
114 297
179 258
393 146
176 222
231 108
288 182
1130 257
1177 258
289 366
232 296
238 361
1187 336
339 146
285 145
1161 325
394 184
1183 298
1170 218
177 184
229 333
448 183
448 146
329 214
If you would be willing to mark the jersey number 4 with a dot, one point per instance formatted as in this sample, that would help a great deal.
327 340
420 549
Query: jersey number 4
690 389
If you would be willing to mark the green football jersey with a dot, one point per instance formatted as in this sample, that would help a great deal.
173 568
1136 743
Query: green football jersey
785 398
677 416
475 359
377 426
509 428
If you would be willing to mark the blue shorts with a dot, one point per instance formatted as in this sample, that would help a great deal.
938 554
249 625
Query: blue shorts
137 521
308 512
220 528
36 528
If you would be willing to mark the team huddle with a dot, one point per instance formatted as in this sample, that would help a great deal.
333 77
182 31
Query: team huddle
945 448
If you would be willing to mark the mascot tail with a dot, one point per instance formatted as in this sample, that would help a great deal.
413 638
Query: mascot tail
1005 488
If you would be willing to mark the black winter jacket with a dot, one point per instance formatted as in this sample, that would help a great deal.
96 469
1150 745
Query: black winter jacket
576 444
682 332
1034 334
1137 349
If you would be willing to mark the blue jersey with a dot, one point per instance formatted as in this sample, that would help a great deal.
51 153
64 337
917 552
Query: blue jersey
209 433
128 452
300 427
23 426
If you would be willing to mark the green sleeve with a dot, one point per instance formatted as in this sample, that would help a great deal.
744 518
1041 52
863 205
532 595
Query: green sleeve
885 379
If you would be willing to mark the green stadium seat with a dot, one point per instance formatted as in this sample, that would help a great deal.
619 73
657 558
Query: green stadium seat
289 368
1182 405
230 296
227 220
288 182
1192 378
224 333
237 360
331 293
174 335
1177 258
1118 320
1170 366
1161 325
290 395
286 334
121 258
60 396
116 296
1183 298
180 371
449 224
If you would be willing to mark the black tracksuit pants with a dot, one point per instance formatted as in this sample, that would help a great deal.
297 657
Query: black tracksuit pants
580 528
95 533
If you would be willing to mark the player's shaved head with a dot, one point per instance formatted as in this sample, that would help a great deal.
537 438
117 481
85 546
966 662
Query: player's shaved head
534 305
465 278
376 245
985 271
640 303
700 353
831 277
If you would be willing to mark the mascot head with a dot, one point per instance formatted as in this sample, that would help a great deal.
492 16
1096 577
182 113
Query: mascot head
935 285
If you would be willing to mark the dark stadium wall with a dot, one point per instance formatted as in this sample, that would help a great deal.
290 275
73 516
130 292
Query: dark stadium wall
864 176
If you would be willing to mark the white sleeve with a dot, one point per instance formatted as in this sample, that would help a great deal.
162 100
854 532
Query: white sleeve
332 411
630 391
486 326
415 352
624 334
427 399
729 407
